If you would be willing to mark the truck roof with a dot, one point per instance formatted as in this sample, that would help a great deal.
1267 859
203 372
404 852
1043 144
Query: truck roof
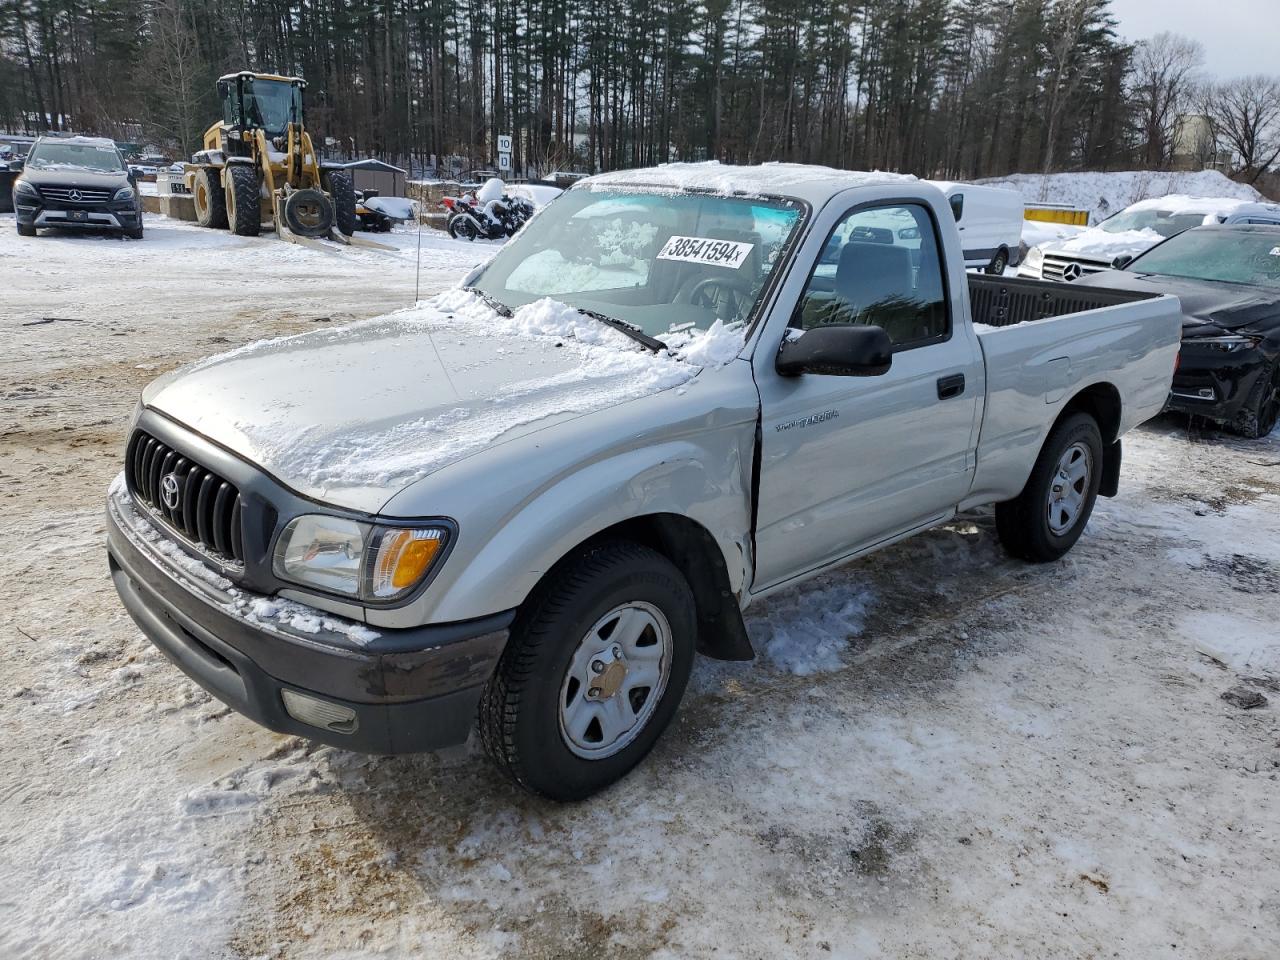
801 181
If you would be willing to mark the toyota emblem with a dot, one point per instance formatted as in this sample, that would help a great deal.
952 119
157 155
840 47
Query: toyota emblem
169 490
74 195
1071 271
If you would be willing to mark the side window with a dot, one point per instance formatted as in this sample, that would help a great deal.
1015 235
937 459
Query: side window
880 267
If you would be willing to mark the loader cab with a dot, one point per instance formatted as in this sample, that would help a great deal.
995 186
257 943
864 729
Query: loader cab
256 101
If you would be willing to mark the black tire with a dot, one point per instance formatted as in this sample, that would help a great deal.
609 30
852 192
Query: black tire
308 213
209 198
461 228
134 233
26 229
1261 411
520 711
1023 524
1001 260
343 193
244 212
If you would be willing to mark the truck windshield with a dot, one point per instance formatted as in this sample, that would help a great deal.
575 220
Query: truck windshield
272 105
653 260
99 157
1228 256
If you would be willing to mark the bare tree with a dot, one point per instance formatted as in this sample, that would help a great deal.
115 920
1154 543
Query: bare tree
1246 114
173 62
1164 83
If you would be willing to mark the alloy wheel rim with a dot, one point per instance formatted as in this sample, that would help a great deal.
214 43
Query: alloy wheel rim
1068 488
615 680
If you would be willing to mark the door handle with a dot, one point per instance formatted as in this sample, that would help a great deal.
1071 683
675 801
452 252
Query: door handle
951 386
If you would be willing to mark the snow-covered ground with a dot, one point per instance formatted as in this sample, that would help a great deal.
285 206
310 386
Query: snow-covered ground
940 753
1106 193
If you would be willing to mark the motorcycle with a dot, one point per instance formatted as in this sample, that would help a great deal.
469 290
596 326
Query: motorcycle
488 214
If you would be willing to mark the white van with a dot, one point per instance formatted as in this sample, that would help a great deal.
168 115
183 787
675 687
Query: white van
990 222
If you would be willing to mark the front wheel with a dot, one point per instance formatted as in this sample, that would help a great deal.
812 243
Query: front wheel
1261 411
1046 519
595 668
26 229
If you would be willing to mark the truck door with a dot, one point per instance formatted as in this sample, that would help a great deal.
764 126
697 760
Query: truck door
847 462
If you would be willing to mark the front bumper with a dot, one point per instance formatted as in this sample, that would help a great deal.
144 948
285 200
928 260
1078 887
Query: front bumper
1215 384
404 691
122 215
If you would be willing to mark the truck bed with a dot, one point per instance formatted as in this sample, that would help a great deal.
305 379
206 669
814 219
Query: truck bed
1008 301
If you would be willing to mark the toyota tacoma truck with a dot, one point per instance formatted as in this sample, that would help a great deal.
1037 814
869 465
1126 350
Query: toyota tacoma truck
525 505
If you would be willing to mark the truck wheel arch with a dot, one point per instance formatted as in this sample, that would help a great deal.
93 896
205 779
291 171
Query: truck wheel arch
1102 402
722 633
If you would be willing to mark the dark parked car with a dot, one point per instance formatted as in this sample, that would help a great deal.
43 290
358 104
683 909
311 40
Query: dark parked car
79 182
1228 278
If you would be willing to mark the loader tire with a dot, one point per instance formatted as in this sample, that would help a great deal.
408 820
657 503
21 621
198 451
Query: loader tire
308 213
210 199
243 210
343 194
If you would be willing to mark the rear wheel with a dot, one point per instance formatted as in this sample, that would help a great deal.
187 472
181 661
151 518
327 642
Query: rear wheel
26 230
1261 410
243 210
1046 519
209 198
998 263
343 194
595 668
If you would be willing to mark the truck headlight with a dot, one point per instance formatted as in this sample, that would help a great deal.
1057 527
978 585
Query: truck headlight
361 560
1034 259
124 193
23 189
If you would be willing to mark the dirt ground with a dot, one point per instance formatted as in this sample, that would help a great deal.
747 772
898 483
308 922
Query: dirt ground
990 759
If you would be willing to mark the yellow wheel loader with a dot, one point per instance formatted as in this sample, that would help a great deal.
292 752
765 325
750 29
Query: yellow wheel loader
258 164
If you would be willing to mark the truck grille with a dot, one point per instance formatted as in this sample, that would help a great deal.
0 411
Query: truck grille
1055 266
82 194
205 508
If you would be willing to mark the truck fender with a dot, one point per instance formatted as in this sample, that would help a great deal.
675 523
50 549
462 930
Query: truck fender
663 494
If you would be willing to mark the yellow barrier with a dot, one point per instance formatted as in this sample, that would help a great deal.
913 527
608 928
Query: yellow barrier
1053 213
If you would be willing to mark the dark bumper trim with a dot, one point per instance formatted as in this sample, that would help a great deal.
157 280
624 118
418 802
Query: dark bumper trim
411 690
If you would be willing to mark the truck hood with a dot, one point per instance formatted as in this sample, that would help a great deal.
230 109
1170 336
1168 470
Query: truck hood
1231 306
355 414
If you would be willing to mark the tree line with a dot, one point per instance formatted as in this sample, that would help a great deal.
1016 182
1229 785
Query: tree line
948 88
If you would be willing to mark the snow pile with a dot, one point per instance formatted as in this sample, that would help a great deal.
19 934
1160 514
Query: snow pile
1104 245
1103 194
713 176
807 632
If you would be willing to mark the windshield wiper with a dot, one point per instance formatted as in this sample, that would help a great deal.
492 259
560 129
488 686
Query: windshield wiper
630 329
497 305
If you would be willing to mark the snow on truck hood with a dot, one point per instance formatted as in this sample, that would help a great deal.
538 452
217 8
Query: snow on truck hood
352 415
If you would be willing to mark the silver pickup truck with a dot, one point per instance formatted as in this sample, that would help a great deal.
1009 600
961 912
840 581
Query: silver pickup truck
525 505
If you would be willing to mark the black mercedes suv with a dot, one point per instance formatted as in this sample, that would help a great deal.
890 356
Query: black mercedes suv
78 182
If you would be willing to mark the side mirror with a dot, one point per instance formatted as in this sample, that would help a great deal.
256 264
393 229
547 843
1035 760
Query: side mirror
909 233
956 201
840 350
1122 261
